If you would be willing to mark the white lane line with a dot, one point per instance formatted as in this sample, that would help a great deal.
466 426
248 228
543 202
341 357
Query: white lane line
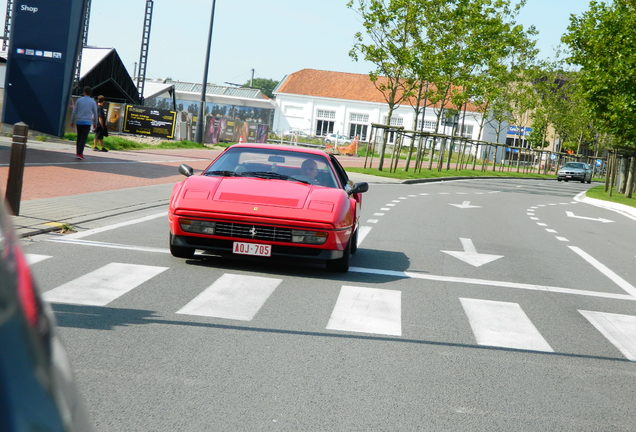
443 193
503 324
563 239
102 286
534 218
378 214
424 194
396 201
550 230
372 221
367 310
385 209
620 330
626 286
402 198
390 205
529 214
542 224
109 245
115 226
236 297
35 258
491 283
363 231
412 196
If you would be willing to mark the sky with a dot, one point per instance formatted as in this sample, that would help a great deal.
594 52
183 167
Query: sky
275 37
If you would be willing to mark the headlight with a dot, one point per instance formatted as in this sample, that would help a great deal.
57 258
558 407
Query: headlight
197 226
308 237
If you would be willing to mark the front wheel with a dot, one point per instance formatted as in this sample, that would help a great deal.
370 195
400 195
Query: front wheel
180 251
354 242
340 265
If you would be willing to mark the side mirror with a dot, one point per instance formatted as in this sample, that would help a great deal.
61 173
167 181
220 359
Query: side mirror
186 170
359 188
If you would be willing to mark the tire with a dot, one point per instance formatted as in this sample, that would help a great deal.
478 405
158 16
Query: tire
354 242
180 251
559 179
340 265
589 181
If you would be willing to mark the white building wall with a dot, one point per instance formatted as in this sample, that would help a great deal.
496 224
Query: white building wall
300 112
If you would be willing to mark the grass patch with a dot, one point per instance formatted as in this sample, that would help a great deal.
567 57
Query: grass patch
426 173
120 143
598 192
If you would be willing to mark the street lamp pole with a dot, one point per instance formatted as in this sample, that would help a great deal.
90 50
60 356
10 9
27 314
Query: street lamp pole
200 118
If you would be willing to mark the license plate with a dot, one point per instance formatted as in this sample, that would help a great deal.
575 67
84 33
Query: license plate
252 249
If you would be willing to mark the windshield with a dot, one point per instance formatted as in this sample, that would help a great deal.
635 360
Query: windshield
273 164
577 165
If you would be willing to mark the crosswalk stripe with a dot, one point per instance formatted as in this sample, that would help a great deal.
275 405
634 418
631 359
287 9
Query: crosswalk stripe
620 330
102 286
367 310
237 297
35 258
503 324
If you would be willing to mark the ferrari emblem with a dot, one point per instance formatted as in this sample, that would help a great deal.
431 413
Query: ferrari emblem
255 208
253 232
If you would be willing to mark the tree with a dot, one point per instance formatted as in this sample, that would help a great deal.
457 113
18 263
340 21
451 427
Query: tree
387 43
266 86
602 43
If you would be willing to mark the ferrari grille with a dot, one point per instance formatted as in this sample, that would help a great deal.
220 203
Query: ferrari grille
257 232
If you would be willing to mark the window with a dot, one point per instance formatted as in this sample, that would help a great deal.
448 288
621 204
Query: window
467 131
324 114
395 120
358 129
324 127
429 125
359 118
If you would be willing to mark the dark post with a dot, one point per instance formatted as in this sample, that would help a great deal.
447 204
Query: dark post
201 115
16 167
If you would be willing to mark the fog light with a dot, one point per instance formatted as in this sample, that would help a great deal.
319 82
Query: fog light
309 237
197 226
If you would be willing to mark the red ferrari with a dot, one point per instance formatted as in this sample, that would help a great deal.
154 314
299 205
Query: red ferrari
266 201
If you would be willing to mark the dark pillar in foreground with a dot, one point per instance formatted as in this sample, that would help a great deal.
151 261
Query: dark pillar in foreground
16 167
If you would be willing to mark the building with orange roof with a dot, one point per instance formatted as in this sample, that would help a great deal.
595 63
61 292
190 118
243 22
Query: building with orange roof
321 102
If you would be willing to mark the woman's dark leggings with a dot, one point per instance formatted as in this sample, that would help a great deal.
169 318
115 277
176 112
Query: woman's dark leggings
82 135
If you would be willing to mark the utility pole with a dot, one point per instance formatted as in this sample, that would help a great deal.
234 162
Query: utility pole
252 80
143 55
204 86
7 24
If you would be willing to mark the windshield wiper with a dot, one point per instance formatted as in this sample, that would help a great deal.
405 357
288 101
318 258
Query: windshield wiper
266 174
222 173
273 175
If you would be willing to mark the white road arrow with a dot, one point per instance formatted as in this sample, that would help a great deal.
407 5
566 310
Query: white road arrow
470 254
572 215
465 205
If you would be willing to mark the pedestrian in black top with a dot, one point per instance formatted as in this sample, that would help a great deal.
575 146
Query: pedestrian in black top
101 130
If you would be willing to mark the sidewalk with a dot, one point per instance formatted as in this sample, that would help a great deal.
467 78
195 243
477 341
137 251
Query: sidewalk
58 190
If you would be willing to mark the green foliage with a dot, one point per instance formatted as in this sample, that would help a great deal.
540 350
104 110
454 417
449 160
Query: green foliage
598 192
602 43
406 175
41 138
265 85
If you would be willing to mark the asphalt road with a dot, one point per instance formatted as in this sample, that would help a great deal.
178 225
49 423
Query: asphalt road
482 305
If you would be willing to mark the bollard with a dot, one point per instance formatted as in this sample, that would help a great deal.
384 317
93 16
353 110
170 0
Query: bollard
16 167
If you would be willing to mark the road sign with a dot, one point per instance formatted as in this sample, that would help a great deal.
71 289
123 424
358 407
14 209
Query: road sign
599 162
45 40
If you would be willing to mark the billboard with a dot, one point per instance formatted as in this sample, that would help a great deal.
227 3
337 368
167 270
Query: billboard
43 47
149 121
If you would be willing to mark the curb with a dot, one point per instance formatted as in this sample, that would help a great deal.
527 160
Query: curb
627 211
